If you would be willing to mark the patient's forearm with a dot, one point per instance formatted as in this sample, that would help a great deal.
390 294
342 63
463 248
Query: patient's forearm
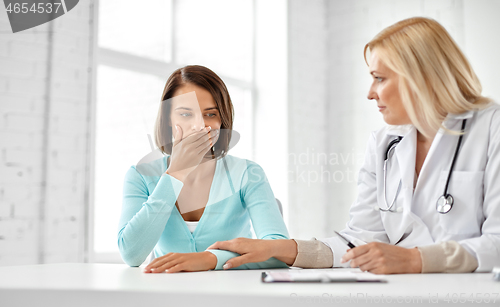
284 250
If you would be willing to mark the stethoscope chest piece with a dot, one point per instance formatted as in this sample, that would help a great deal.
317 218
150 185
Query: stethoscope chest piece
444 204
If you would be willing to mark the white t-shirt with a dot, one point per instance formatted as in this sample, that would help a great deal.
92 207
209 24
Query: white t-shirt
191 225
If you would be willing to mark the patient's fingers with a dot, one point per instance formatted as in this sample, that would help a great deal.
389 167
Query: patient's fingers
237 261
221 245
176 268
158 262
167 266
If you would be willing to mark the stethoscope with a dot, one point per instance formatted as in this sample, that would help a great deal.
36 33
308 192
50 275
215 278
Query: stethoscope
445 201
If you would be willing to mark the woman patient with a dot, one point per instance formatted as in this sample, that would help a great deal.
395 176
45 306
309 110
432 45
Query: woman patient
196 194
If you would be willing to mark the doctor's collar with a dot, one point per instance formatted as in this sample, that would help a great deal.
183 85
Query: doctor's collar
399 130
464 115
402 130
451 121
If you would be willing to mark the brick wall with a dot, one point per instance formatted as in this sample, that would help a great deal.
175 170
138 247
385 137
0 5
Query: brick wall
44 133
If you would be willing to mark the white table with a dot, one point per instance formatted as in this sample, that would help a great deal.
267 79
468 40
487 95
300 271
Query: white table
119 285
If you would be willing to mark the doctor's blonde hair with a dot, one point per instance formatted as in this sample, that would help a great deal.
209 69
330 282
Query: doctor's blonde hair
435 77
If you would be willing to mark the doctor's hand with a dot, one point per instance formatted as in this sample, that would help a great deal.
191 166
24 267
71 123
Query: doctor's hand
177 262
382 258
257 250
188 152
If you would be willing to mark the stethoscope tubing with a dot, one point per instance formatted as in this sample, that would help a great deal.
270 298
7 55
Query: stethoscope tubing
390 147
455 156
445 195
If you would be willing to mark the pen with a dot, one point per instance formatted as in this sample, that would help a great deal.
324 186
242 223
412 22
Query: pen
345 240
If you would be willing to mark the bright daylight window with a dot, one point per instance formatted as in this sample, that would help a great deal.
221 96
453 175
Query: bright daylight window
139 45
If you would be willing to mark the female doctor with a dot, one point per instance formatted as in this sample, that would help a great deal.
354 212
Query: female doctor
429 190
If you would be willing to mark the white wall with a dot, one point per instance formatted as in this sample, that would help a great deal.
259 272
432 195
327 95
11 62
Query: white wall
270 116
44 126
482 43
329 113
308 120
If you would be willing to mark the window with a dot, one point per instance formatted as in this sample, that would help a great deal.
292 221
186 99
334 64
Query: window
139 45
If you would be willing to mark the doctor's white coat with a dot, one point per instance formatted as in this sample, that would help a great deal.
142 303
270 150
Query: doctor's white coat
474 220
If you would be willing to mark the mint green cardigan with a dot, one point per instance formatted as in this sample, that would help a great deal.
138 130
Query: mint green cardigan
240 196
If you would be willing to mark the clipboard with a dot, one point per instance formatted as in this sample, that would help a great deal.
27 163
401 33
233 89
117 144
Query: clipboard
320 276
